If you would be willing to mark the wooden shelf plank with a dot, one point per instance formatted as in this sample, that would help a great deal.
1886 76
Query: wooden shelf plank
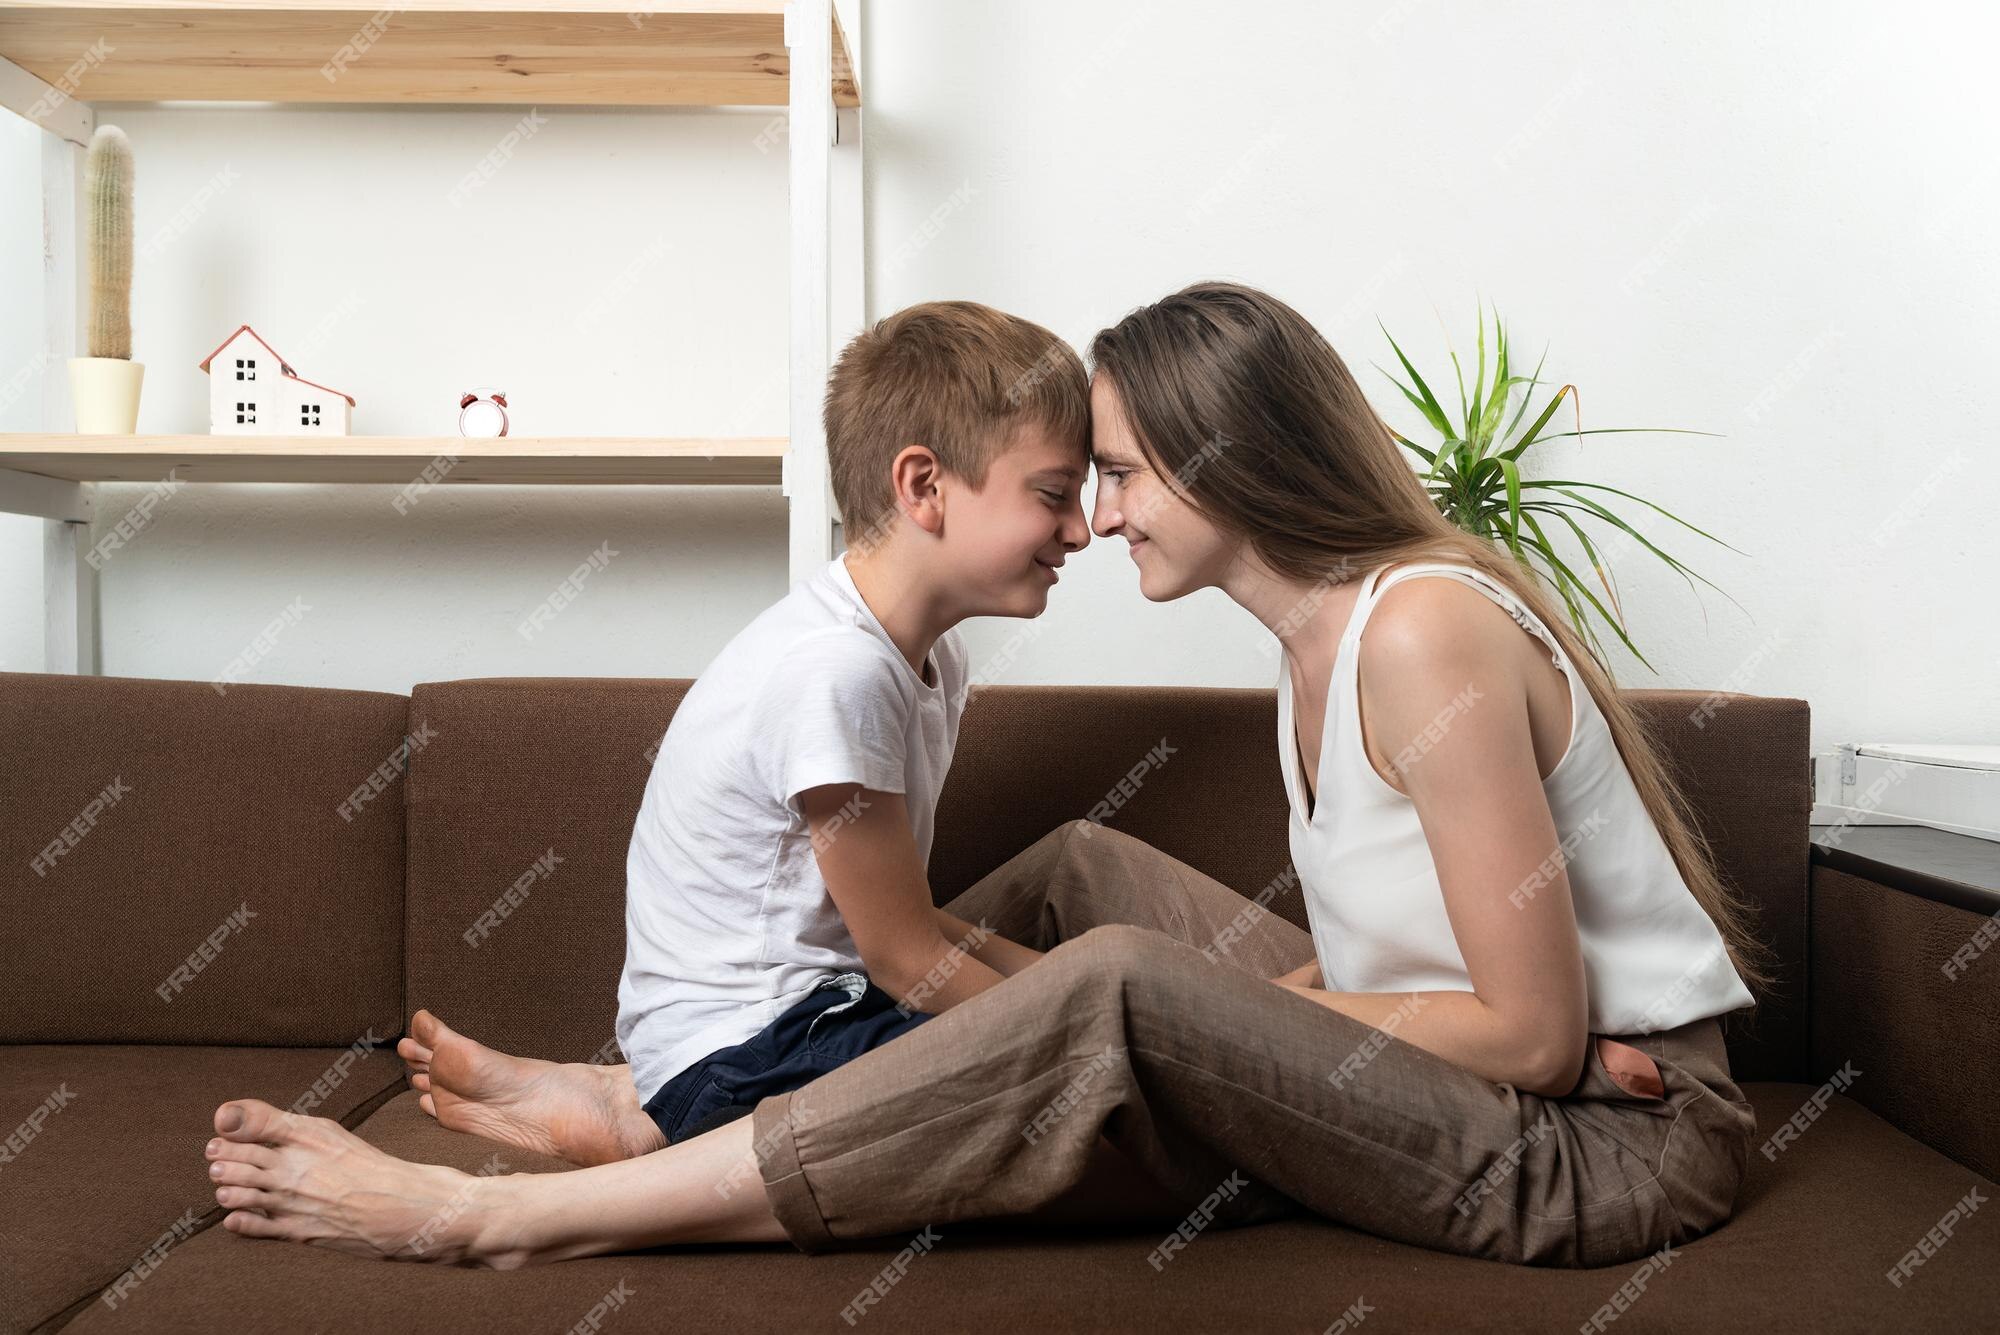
518 52
530 460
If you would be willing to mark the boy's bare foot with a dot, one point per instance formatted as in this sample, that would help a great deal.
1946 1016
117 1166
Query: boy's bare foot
308 1179
584 1113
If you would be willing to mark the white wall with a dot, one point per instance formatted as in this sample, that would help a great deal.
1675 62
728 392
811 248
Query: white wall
621 274
1769 222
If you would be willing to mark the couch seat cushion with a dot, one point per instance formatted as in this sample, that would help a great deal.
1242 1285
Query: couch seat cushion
101 1152
1815 1234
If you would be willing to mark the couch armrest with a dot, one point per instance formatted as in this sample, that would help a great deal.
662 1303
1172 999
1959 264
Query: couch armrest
1905 986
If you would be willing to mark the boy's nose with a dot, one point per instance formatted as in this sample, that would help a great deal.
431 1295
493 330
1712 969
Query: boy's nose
1075 530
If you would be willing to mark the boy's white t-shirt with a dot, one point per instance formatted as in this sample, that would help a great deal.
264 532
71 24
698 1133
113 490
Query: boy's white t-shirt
728 922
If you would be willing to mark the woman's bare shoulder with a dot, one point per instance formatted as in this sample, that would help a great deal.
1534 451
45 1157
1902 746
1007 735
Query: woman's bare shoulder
1424 623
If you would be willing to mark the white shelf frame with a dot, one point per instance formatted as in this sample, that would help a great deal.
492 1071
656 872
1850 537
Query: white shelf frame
827 300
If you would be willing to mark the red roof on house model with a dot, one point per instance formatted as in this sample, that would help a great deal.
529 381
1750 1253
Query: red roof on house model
283 366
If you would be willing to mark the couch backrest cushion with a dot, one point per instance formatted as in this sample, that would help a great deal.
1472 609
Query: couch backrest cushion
522 800
183 866
521 808
1032 757
1744 762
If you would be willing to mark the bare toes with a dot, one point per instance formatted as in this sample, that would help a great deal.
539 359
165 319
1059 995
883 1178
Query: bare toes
220 1149
243 1172
421 1082
253 1121
427 1030
229 1173
410 1050
428 1104
245 1198
256 1225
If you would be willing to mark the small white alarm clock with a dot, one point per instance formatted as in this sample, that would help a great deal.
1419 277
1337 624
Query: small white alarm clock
482 412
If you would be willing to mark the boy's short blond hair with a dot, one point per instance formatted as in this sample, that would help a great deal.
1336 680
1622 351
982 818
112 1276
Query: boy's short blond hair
956 376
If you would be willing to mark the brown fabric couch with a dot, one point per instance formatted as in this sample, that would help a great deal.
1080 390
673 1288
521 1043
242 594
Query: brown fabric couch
197 907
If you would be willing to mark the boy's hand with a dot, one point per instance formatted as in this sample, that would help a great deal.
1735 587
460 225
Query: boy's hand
995 951
868 858
1306 975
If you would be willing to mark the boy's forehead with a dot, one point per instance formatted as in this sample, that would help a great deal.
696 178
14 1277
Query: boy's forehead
1035 448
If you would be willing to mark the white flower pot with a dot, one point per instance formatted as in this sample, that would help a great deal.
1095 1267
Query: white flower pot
106 392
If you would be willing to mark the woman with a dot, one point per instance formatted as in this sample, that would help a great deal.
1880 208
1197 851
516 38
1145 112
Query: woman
1500 1038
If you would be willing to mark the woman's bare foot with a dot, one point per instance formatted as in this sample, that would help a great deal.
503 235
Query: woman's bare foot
308 1179
584 1113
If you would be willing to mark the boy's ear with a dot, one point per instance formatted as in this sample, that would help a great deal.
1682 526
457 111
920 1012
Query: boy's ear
914 475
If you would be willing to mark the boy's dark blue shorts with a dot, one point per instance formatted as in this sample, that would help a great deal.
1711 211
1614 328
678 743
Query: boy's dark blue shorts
844 1016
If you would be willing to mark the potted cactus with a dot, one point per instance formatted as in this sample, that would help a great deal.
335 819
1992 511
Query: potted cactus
106 383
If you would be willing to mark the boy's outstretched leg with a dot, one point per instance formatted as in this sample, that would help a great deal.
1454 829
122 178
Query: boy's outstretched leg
584 1113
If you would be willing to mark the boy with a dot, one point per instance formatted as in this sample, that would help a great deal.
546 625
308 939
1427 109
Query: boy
778 917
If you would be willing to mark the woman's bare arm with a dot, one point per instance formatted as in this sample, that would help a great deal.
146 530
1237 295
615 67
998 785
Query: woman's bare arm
1444 696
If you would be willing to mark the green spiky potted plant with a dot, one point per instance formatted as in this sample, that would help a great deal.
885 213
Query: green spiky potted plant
105 384
1474 475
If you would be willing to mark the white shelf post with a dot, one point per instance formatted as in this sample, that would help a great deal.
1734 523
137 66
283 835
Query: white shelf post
69 583
848 306
809 36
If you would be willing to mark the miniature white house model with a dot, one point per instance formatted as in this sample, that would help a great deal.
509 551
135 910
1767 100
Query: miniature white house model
253 392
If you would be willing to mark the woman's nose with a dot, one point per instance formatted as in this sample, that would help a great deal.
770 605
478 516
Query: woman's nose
1105 520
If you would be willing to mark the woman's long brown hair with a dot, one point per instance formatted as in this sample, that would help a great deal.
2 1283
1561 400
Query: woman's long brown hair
1312 477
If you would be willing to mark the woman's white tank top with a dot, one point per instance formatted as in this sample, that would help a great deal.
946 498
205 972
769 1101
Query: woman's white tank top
1653 958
